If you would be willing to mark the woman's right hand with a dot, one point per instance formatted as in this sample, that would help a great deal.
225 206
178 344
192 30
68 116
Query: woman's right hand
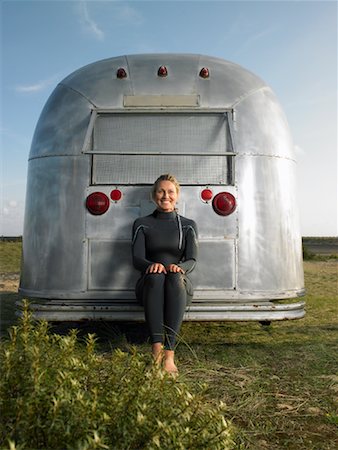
156 268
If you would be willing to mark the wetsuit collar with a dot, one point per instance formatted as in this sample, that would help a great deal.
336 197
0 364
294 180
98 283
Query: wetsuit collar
171 216
165 215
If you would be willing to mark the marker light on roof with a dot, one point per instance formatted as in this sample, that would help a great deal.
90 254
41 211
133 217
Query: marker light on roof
204 73
97 203
224 203
121 73
162 71
116 195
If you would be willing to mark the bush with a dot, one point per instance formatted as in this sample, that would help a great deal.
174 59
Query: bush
58 393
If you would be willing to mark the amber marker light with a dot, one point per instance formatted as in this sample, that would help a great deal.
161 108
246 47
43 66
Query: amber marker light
204 72
162 71
121 73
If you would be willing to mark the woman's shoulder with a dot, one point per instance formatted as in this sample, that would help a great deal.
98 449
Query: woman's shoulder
188 222
145 220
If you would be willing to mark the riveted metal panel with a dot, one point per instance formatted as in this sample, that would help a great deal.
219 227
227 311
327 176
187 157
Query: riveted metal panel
215 269
110 266
54 249
268 225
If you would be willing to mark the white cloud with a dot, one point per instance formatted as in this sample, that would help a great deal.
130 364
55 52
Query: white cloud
88 23
36 87
11 218
252 38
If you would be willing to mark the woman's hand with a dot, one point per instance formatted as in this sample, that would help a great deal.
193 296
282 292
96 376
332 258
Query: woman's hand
156 268
174 268
159 268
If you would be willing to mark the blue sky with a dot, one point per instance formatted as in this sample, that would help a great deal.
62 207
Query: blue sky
291 45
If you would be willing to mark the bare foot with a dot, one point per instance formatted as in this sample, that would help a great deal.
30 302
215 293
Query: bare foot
169 362
157 352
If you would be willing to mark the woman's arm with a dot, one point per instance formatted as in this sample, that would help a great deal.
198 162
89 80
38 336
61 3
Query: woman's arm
140 261
191 249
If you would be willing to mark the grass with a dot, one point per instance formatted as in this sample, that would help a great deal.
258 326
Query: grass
10 256
279 383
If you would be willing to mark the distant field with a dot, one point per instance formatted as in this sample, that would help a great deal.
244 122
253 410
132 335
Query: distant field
321 246
279 382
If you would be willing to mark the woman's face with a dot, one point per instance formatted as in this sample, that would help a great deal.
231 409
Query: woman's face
165 196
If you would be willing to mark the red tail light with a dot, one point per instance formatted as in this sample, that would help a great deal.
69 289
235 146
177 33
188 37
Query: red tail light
224 203
97 203
116 195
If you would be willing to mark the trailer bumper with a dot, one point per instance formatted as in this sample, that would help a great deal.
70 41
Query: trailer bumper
72 310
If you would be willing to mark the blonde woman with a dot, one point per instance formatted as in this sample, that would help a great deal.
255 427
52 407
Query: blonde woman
165 252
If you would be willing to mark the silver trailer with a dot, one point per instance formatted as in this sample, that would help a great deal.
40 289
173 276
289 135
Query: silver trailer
106 133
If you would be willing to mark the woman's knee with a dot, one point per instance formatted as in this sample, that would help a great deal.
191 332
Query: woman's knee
175 279
155 280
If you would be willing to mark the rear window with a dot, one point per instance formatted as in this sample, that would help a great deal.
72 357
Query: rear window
134 148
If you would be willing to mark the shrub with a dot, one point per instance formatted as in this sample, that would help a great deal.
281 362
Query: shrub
59 393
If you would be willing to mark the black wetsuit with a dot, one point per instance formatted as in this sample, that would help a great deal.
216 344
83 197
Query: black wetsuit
167 238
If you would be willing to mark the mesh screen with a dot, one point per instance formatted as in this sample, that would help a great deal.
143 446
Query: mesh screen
187 133
144 169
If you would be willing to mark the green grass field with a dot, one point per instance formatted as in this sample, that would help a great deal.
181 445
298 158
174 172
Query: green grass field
279 383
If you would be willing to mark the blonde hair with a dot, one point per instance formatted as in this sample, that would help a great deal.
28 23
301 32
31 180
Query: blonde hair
165 177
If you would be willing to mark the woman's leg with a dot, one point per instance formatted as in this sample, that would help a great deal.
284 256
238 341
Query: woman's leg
174 307
175 301
153 302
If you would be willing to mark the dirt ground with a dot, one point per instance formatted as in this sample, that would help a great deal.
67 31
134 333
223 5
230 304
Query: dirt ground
9 282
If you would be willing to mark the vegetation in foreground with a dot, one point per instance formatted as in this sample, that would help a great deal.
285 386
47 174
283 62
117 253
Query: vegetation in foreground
279 383
59 394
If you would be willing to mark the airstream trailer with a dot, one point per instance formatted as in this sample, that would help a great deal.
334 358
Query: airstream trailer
106 133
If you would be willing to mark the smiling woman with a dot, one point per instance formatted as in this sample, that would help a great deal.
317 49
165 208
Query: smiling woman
164 251
165 193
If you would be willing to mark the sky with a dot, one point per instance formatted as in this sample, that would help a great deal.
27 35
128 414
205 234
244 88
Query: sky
291 45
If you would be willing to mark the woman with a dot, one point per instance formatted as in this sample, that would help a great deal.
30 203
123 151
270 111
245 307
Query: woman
165 251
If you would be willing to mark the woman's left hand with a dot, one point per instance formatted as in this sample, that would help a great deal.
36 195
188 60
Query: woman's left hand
174 268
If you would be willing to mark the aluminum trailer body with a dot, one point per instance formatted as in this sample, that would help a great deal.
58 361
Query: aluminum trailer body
106 133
